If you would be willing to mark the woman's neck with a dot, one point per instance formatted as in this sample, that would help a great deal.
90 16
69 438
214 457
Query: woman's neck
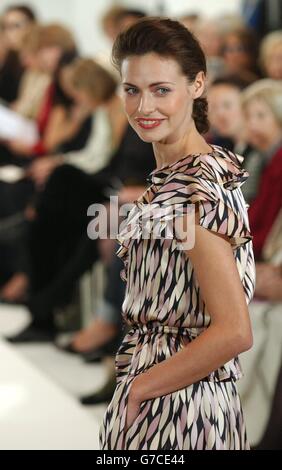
192 142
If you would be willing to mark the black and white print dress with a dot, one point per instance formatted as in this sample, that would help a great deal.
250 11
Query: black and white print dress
165 311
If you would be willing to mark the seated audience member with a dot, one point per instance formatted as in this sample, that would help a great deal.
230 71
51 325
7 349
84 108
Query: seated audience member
270 56
110 21
34 82
261 102
262 105
93 87
61 214
240 52
15 23
64 128
114 21
227 122
209 33
261 385
56 123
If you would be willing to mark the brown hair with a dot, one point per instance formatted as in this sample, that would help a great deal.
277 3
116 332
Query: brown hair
168 38
54 34
112 15
88 75
24 10
248 39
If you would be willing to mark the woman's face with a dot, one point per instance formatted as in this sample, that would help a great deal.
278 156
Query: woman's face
49 58
210 39
235 55
15 25
157 98
262 127
273 63
225 112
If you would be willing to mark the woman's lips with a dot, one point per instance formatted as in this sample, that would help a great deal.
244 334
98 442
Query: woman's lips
149 123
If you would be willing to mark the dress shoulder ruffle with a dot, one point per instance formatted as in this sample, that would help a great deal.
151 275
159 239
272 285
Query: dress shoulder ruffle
212 181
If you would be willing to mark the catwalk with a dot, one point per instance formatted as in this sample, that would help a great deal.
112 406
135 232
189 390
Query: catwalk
39 386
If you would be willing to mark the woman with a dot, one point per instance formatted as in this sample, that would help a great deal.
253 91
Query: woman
240 50
187 307
56 122
17 20
34 82
262 107
270 56
227 122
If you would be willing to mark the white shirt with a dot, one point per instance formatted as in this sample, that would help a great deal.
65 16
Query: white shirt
99 148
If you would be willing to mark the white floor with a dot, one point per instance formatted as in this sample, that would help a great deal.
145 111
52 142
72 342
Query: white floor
39 386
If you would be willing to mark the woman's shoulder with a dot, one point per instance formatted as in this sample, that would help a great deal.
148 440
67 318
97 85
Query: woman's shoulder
217 171
211 181
221 167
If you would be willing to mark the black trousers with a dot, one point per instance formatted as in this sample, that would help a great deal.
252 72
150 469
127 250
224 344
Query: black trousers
13 229
60 250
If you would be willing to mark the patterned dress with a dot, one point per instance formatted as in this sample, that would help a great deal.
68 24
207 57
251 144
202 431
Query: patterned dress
165 311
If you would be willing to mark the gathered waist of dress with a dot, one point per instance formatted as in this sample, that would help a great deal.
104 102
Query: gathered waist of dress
147 329
139 350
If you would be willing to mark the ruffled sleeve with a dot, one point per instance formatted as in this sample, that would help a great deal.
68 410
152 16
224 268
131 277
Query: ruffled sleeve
213 184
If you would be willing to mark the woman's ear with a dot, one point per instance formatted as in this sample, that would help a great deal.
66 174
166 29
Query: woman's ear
199 85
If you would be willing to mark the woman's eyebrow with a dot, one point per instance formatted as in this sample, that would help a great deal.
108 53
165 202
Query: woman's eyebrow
152 84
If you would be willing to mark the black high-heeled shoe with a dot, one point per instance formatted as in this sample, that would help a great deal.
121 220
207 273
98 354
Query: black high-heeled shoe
69 348
32 334
104 395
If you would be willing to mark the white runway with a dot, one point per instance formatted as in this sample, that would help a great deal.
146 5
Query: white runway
39 386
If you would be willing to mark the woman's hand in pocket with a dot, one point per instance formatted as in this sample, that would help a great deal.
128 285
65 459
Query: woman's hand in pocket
134 403
133 409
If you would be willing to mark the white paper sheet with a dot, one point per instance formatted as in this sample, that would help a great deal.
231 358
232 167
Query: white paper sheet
11 173
14 126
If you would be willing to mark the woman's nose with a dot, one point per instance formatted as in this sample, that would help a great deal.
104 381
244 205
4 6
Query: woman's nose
146 105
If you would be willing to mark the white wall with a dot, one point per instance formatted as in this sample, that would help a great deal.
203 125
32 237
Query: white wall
204 7
83 16
177 7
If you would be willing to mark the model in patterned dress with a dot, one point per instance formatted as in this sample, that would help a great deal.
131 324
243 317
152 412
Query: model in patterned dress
178 365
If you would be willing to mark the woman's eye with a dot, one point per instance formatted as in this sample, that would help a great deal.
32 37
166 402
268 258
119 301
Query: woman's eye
133 91
163 91
130 91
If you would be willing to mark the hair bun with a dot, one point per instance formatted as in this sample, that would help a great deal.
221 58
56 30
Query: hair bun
200 114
